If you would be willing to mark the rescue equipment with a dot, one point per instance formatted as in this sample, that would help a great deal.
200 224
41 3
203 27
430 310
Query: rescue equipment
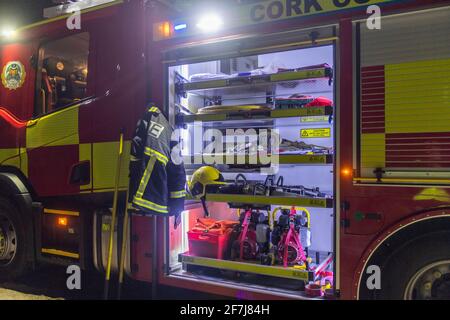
203 179
300 147
256 236
302 101
313 290
210 238
157 175
230 109
242 186
245 246
286 238
263 235
269 188
280 189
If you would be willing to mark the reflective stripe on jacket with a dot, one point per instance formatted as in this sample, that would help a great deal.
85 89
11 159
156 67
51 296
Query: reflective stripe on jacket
157 185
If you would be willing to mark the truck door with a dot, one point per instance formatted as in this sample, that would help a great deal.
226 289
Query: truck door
16 98
57 140
121 88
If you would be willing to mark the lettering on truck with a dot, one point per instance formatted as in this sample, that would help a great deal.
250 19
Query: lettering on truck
284 9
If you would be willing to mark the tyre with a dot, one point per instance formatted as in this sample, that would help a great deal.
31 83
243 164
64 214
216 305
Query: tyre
13 242
420 270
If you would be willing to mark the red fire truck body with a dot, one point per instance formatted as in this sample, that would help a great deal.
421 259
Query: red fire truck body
57 165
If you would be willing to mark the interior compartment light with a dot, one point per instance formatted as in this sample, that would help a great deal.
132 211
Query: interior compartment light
210 23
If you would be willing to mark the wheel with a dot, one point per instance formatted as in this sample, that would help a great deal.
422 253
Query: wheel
420 270
13 242
430 282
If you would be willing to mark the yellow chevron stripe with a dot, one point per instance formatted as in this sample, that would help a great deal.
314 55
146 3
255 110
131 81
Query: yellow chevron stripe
56 129
417 97
104 164
6 154
373 150
61 253
62 212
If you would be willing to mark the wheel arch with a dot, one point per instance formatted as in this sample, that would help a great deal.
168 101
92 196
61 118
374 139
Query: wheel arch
16 190
22 185
426 221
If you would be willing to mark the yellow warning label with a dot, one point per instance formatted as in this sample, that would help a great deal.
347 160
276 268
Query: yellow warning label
315 119
316 133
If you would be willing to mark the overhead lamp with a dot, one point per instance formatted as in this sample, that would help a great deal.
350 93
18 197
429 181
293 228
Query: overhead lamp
8 32
210 22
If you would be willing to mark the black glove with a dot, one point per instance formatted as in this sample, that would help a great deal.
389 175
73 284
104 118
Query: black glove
177 220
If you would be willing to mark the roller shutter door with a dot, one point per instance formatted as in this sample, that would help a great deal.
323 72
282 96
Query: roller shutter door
404 107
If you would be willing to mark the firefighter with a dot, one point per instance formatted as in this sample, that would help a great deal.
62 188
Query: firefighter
157 175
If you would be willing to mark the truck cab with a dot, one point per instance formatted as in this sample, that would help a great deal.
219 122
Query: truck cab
67 95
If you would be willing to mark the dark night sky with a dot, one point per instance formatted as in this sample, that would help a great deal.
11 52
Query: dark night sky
16 13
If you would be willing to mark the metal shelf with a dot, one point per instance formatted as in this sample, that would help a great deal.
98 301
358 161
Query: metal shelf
271 200
284 159
251 83
248 267
250 115
306 159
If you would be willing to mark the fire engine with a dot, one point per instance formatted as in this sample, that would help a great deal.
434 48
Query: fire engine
376 198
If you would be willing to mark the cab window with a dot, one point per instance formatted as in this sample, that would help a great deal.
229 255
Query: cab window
62 73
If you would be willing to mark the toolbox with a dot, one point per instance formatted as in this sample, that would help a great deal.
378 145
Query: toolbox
210 238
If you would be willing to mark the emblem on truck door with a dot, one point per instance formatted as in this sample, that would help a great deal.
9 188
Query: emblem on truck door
13 75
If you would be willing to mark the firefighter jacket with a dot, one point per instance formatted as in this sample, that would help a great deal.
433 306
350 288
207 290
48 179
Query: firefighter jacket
157 184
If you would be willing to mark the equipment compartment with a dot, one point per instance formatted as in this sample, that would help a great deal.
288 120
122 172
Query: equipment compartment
283 233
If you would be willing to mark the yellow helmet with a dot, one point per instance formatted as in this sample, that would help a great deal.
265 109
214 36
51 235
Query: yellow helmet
203 177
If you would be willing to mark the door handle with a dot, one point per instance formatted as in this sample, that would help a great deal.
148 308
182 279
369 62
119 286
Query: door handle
80 174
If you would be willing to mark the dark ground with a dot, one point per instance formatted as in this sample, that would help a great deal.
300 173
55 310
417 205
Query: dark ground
49 282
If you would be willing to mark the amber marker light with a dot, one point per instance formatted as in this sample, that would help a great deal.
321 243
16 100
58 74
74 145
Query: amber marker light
163 30
62 222
346 172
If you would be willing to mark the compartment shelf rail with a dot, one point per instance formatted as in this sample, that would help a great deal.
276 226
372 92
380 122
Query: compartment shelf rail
246 267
